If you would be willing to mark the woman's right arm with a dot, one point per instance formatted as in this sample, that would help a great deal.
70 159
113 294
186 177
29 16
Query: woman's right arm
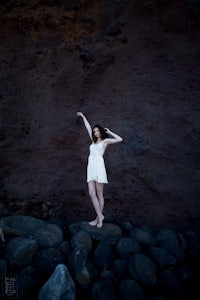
86 123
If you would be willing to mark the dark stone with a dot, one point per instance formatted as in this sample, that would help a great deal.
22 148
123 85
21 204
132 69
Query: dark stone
64 248
2 249
172 286
47 259
121 268
20 252
127 246
143 236
168 240
59 286
125 227
49 236
82 238
80 266
103 256
107 275
104 290
143 269
161 257
29 280
3 267
130 289
109 233
21 225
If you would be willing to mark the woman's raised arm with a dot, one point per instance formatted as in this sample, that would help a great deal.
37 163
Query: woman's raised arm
116 138
86 123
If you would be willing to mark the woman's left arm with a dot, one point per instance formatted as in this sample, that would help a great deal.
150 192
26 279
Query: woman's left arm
116 138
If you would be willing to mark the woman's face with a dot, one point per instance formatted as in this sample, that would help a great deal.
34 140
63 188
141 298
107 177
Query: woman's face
97 132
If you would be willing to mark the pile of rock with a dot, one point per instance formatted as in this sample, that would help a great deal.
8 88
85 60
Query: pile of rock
117 261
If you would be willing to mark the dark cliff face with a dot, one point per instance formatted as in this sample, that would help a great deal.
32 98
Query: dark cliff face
132 67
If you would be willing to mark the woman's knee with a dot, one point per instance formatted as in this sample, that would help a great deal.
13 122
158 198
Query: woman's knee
92 193
99 195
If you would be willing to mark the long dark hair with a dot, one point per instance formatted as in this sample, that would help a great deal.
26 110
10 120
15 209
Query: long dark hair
103 133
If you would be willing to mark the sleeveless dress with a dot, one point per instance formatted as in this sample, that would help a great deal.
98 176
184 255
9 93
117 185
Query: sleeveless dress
96 170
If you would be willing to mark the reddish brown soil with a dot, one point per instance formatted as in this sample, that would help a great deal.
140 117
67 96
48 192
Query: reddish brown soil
133 68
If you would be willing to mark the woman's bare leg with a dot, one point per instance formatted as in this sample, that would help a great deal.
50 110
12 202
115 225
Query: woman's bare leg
95 201
99 191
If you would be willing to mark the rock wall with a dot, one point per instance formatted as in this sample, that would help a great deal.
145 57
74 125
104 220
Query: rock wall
132 67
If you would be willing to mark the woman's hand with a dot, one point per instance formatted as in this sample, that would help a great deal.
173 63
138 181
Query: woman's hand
107 130
80 114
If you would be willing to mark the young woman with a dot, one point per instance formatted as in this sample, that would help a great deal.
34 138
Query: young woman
96 171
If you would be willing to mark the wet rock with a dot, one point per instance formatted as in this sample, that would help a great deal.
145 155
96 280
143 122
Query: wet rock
161 257
104 256
21 225
3 267
49 236
2 249
82 238
143 236
168 240
121 268
127 246
80 266
47 259
109 233
130 289
29 280
107 275
143 269
170 283
104 290
59 286
119 263
20 252
65 248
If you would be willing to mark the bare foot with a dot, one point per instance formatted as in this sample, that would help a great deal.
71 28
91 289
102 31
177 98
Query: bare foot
100 223
94 223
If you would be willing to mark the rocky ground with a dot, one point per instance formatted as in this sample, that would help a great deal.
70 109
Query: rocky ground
116 262
132 66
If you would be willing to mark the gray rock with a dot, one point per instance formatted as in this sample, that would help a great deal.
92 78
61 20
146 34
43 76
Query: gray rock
104 256
49 236
143 236
29 280
80 267
107 275
21 225
82 238
47 259
161 257
3 267
159 297
172 286
109 233
104 290
130 289
2 249
59 286
127 246
20 252
168 240
65 248
143 269
125 226
121 269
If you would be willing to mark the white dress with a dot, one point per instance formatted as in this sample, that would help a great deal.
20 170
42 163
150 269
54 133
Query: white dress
96 170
